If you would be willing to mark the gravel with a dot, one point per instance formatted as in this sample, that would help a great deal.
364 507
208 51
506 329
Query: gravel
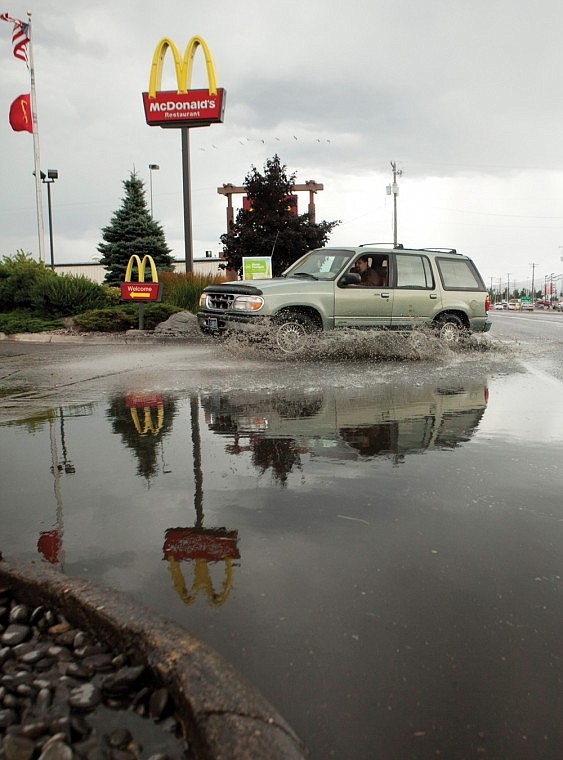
64 695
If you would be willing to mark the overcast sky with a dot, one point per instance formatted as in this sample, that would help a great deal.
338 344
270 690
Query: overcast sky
466 98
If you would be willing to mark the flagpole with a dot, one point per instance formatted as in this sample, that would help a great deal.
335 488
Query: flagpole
38 200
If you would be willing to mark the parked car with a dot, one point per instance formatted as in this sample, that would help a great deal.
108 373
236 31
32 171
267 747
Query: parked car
512 305
323 290
500 306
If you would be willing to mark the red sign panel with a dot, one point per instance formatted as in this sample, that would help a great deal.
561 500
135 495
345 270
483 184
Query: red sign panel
193 108
140 400
140 291
198 543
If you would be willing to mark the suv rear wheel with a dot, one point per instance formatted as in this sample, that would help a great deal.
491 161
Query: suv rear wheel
450 327
292 331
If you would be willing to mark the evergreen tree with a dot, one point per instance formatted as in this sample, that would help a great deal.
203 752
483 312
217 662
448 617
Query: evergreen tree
132 230
270 227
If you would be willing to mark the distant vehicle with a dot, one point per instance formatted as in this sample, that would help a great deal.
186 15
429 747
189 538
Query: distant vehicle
511 305
500 305
526 304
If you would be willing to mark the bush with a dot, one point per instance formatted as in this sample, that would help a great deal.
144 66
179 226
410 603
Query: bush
120 318
26 322
184 289
21 282
67 294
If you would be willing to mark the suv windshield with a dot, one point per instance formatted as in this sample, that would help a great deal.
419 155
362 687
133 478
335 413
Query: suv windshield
322 264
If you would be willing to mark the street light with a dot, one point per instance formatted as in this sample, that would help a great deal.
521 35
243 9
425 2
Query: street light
152 168
394 191
48 179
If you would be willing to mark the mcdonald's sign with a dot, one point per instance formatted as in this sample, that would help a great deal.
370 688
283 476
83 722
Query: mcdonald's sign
140 291
184 107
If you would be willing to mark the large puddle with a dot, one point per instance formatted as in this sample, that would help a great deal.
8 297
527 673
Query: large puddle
382 560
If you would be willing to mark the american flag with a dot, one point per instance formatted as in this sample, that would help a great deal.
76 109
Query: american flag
20 37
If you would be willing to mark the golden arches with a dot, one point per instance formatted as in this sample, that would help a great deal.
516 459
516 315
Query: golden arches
183 66
141 268
202 581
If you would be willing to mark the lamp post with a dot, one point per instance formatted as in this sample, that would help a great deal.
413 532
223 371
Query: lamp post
48 179
152 168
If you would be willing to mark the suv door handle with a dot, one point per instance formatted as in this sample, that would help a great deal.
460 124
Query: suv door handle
385 295
433 295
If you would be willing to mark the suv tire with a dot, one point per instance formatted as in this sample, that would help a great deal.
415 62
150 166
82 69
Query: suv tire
292 331
450 328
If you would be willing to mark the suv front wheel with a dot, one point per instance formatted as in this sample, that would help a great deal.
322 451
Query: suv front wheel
292 331
450 327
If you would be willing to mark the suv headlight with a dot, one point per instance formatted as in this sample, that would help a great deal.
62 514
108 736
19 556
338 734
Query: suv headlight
248 303
203 301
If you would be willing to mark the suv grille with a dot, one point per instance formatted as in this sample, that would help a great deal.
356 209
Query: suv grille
220 300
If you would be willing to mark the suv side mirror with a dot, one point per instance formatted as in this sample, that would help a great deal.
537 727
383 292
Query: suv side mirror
350 278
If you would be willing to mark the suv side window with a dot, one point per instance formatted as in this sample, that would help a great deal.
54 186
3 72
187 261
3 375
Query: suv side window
459 274
414 272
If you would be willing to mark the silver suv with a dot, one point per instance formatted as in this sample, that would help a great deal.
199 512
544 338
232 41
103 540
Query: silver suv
371 287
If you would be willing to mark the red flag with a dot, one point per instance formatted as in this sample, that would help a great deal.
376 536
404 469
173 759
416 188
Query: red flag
20 114
49 545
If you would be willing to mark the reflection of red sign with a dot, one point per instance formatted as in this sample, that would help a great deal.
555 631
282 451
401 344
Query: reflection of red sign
140 400
140 291
199 543
49 545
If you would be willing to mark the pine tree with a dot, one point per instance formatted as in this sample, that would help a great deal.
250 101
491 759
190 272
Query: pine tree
270 227
132 230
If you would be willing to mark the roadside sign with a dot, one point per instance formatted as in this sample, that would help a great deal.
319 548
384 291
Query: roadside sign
257 268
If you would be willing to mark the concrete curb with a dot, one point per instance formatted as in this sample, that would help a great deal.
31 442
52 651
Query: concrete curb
227 718
132 336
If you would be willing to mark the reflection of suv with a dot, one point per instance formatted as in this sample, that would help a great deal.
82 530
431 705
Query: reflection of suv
400 289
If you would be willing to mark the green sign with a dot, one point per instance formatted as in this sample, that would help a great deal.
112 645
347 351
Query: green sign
257 268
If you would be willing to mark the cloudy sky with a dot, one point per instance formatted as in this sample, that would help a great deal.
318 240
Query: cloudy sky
465 97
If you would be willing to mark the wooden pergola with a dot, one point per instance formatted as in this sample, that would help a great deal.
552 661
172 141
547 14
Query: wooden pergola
229 190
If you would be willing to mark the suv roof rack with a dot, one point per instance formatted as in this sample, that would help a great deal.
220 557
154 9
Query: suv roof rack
392 245
439 250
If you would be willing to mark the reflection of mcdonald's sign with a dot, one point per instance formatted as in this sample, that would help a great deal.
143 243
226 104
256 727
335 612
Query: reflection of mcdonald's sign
136 402
202 547
140 291
183 107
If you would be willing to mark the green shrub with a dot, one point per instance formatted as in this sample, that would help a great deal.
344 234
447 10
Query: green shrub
21 282
120 318
67 294
112 319
26 322
184 289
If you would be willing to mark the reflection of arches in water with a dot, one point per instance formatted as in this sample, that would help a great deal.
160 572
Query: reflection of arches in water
143 420
202 582
204 547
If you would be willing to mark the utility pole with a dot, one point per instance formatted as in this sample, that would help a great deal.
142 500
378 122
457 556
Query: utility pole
394 191
533 270
508 287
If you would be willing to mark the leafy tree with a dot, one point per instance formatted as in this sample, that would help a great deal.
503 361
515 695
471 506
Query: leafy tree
270 227
132 230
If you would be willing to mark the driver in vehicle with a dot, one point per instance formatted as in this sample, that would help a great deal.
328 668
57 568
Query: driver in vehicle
369 278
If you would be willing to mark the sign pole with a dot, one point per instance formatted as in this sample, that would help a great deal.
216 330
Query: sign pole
188 243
